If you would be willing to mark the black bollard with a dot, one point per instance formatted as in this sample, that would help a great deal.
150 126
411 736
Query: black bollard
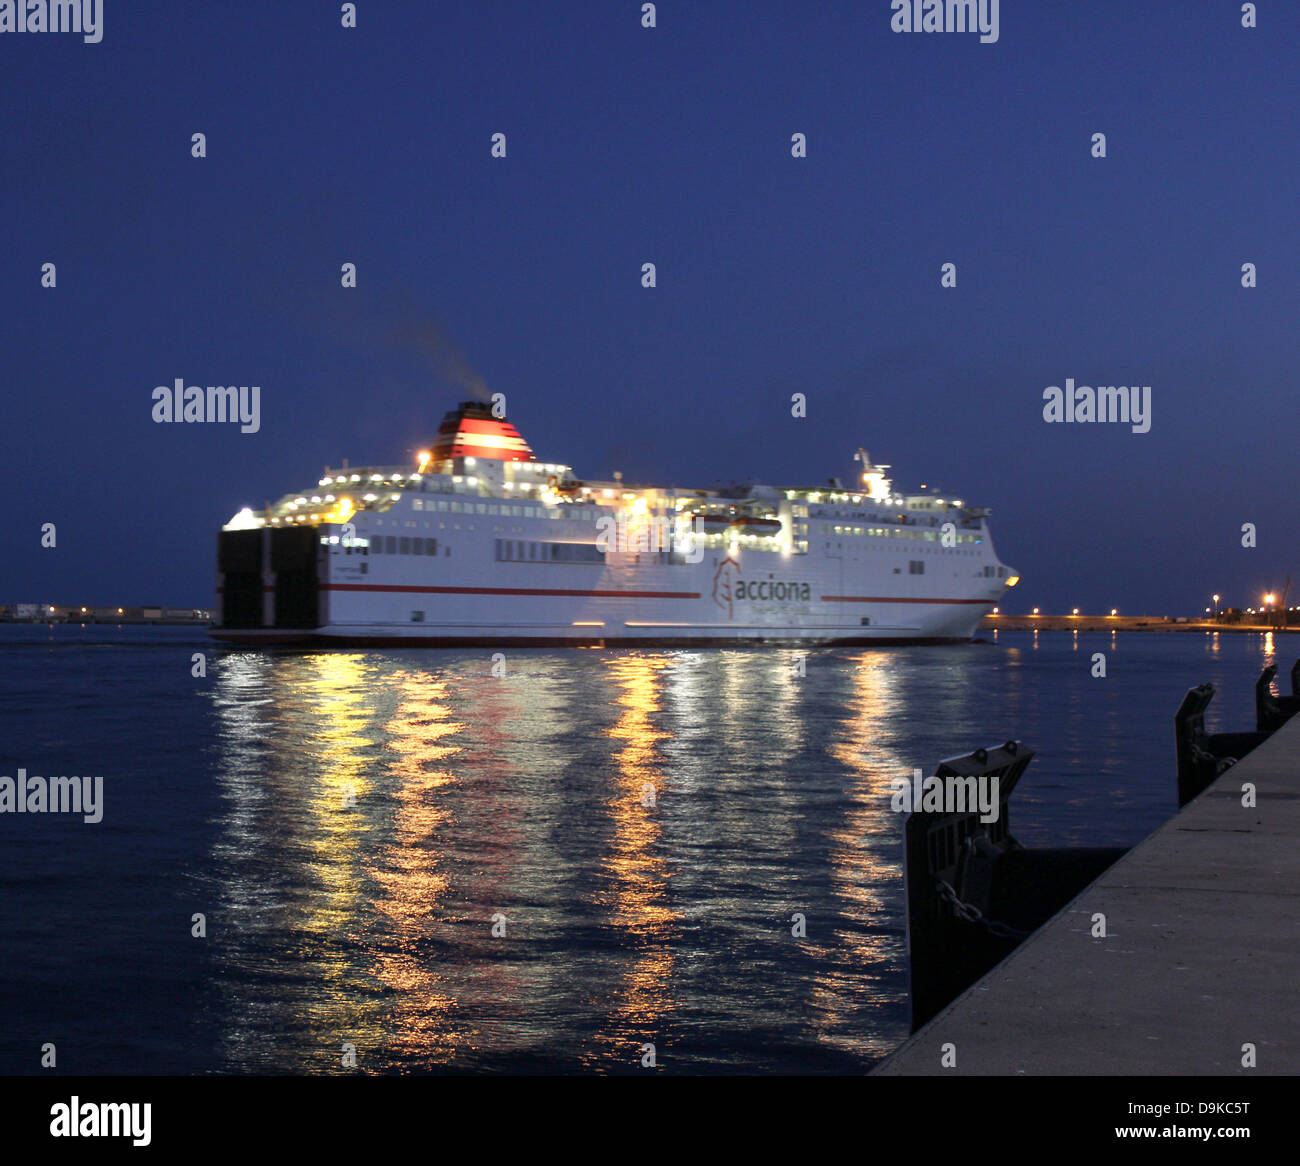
1271 712
1203 756
973 892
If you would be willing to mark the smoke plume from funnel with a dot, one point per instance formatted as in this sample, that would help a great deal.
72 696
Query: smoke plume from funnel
414 331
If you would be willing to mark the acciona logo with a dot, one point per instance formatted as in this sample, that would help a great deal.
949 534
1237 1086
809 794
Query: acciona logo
775 589
80 16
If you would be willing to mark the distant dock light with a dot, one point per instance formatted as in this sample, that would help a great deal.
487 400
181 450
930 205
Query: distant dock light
1114 611
996 611
1035 611
1075 611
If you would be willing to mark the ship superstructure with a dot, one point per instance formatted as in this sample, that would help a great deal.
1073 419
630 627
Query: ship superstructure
479 543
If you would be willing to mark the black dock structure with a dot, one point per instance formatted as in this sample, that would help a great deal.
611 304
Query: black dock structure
973 892
1203 756
1177 958
1271 712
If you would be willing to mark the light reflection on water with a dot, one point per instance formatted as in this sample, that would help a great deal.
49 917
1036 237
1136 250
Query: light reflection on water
646 828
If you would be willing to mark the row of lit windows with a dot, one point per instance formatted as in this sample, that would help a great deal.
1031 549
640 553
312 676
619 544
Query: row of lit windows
391 544
514 550
892 532
582 513
945 551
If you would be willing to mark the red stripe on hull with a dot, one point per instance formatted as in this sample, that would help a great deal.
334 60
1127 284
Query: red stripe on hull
508 591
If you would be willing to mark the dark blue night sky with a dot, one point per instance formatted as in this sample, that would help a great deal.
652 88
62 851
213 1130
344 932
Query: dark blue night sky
775 275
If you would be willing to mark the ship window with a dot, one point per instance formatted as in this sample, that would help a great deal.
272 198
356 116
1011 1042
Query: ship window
417 617
379 546
417 504
430 546
390 544
417 546
916 567
404 545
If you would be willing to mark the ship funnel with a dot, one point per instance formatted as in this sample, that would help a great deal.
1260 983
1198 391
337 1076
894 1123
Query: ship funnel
472 431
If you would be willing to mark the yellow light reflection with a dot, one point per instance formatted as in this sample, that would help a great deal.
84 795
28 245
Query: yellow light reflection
408 869
320 704
639 876
864 860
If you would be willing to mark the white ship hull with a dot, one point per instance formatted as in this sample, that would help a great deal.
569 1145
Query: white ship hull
488 557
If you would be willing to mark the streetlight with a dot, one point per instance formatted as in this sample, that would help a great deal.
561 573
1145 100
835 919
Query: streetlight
1216 607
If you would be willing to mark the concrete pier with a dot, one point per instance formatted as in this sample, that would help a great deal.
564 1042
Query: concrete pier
1201 956
1132 623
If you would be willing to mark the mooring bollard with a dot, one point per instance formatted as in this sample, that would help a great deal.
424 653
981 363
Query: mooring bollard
973 892
1271 712
1203 756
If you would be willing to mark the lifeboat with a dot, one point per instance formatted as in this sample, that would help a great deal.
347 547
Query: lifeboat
565 486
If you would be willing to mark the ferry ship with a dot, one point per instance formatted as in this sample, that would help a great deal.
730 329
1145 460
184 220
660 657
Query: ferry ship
480 544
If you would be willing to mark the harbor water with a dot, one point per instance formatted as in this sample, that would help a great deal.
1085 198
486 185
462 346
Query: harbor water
543 862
